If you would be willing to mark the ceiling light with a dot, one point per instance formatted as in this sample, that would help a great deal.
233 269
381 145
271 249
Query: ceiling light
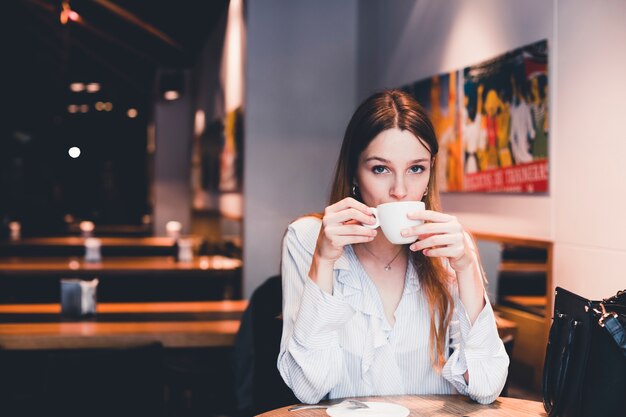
171 84
199 122
67 13
108 106
72 108
93 87
171 95
132 113
77 87
74 152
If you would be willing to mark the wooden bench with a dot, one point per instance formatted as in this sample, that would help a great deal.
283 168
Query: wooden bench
173 324
531 308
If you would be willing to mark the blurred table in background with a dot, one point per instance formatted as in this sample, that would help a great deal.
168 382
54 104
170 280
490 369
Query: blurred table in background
118 325
75 246
122 279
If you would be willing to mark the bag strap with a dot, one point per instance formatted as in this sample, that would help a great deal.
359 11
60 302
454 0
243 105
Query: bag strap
619 298
553 405
610 321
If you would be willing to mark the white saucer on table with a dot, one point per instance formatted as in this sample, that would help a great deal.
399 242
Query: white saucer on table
376 409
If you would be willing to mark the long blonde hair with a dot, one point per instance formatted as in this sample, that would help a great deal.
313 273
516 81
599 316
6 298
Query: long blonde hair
387 110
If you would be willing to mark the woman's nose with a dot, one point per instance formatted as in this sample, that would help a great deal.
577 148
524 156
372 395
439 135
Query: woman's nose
398 189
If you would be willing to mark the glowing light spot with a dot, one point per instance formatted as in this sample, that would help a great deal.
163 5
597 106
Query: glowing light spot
93 87
171 95
77 87
74 152
204 263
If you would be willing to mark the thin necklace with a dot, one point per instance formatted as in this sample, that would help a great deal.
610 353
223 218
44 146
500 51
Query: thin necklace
388 264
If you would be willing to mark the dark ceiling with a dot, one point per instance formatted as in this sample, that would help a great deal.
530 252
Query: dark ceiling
119 43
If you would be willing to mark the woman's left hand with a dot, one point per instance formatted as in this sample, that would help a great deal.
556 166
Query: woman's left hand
441 235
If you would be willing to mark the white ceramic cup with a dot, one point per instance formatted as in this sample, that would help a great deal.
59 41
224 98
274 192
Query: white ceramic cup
392 219
185 249
92 249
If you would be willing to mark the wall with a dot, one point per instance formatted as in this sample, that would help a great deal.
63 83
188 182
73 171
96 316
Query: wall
408 40
404 41
590 183
172 191
302 53
300 92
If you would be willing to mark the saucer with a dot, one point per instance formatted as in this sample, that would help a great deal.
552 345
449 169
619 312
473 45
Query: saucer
376 409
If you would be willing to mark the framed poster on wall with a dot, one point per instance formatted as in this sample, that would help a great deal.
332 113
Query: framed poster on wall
491 121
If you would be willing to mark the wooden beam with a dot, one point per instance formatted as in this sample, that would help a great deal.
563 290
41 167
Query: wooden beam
130 17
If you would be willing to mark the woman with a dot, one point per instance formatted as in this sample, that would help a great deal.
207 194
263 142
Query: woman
363 316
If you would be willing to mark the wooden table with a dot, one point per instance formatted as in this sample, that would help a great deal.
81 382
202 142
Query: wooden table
174 324
75 246
122 279
112 265
74 241
440 406
506 328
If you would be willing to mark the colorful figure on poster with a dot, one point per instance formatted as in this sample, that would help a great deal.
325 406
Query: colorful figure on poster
450 163
492 104
521 125
539 112
503 117
472 131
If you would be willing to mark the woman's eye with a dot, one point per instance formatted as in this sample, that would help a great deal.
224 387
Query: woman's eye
379 169
416 169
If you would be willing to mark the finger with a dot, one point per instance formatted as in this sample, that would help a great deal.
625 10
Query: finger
343 240
426 229
347 215
436 241
431 216
447 252
347 203
349 230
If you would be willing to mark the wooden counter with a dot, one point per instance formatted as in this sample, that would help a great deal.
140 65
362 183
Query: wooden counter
184 324
112 265
122 279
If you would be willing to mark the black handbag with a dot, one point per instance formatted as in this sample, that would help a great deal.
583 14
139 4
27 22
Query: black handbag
584 372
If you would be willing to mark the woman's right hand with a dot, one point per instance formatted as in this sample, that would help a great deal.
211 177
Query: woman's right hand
342 225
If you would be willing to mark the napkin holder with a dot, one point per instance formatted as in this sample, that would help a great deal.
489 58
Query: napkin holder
78 297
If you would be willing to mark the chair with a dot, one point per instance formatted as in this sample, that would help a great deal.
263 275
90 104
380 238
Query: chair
199 382
105 382
259 386
509 342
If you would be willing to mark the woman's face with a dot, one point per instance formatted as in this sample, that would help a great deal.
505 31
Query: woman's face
395 166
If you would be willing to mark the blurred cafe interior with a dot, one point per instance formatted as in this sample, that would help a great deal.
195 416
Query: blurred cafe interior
153 153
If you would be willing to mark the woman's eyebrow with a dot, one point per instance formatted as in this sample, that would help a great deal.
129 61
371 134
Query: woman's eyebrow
383 160
377 158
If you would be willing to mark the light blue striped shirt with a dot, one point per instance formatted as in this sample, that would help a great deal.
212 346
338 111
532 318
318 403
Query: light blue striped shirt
342 344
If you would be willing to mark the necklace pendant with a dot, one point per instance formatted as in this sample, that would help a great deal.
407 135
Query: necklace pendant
387 267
